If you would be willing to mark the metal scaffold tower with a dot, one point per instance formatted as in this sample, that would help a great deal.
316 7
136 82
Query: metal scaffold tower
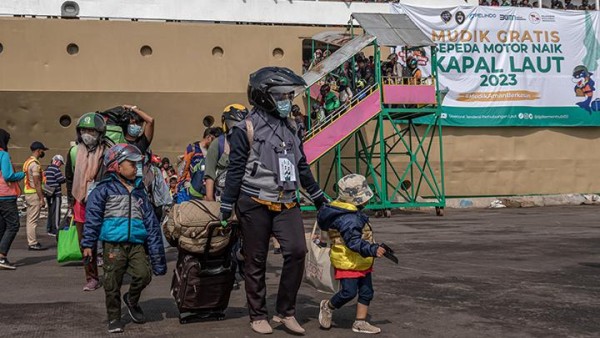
390 131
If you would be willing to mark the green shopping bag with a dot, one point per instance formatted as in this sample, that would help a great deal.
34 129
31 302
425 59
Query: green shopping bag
67 248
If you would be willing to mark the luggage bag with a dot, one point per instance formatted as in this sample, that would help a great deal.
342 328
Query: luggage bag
202 283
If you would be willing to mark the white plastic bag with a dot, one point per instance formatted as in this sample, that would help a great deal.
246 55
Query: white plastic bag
318 270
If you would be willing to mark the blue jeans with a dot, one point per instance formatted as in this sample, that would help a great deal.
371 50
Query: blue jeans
350 287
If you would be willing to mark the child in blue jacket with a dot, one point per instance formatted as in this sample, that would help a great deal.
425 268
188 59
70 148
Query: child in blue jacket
119 214
352 251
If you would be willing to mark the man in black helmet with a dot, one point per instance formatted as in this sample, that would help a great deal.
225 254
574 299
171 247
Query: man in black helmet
266 167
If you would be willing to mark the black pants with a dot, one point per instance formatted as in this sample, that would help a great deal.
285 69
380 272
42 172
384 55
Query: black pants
257 224
53 214
9 224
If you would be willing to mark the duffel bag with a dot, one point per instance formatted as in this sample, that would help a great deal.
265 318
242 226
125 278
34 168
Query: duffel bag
187 226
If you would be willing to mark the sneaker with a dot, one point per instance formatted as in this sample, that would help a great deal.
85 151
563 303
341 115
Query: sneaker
277 251
5 264
361 326
91 285
51 234
37 247
135 311
115 326
290 323
261 326
325 314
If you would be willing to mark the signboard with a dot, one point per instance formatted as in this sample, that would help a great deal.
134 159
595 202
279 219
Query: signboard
508 66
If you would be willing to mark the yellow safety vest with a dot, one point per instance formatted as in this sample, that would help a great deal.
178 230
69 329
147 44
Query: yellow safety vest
29 188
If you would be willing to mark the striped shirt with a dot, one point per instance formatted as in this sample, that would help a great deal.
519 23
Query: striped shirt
54 178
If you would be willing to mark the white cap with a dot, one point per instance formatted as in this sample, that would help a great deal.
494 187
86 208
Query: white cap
58 158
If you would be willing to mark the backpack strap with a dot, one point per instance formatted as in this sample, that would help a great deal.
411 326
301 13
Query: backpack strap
197 148
250 131
222 146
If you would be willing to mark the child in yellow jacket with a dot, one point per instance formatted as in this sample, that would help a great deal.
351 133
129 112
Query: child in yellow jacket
352 251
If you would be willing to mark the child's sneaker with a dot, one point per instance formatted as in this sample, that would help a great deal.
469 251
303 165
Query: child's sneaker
115 326
135 311
325 314
361 326
91 285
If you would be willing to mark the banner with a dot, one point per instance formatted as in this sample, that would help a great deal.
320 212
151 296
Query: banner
508 66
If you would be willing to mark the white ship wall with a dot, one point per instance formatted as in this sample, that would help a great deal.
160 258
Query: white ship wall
256 11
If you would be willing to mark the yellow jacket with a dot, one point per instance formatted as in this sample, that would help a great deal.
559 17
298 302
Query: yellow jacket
345 221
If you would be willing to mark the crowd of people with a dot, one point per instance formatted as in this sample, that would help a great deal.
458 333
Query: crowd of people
353 78
253 163
554 4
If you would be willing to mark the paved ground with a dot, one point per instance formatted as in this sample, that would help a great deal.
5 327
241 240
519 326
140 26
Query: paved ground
473 273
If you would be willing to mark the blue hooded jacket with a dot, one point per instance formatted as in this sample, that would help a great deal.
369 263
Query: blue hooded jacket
113 214
350 224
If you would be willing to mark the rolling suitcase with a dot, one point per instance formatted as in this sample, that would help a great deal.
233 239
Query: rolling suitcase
202 283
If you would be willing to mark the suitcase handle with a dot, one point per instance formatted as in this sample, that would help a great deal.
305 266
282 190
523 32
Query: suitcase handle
211 229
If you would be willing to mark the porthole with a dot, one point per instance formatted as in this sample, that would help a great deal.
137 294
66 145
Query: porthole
217 52
278 53
146 50
72 49
65 121
1 48
208 121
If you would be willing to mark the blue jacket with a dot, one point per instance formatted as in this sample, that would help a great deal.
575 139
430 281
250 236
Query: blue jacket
350 223
113 214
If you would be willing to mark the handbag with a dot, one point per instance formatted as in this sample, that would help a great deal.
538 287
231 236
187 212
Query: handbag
318 269
67 248
48 190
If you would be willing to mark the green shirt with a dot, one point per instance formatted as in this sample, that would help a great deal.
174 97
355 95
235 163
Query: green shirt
213 164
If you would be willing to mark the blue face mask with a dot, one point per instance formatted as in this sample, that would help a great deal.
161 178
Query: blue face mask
284 107
139 166
134 130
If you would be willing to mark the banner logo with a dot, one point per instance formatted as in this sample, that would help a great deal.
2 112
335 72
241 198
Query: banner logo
446 16
481 16
511 17
460 17
535 18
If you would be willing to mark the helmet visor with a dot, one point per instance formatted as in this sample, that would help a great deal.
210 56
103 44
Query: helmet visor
282 96
282 90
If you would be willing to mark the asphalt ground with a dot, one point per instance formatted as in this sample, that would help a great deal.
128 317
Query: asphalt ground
472 273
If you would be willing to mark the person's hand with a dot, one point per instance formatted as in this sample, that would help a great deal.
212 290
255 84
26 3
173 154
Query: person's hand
129 107
42 203
380 252
87 252
224 216
320 201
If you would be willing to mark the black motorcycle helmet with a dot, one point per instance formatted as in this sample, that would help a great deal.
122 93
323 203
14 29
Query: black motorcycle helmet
268 81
